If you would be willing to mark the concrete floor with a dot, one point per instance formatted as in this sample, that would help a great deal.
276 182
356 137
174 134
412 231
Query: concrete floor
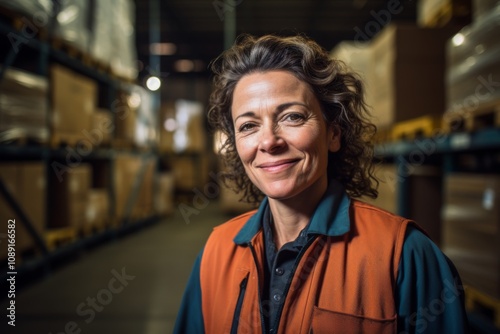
154 264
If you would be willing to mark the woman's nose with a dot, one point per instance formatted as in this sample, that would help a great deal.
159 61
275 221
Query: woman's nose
270 140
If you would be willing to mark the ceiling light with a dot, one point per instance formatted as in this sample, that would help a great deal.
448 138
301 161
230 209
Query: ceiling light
153 83
458 39
184 65
162 49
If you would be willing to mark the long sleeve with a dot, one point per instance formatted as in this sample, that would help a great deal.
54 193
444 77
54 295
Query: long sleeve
190 317
429 294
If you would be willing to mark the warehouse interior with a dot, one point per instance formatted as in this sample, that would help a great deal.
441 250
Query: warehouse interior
110 173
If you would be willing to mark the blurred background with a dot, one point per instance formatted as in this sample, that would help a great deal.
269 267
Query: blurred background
111 176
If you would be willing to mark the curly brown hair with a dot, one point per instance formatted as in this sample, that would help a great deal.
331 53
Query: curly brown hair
339 91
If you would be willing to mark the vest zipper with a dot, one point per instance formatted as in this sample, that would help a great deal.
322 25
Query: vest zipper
239 304
289 282
254 254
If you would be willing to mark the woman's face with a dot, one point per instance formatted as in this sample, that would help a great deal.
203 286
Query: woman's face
281 136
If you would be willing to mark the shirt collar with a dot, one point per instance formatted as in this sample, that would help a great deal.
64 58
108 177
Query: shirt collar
331 217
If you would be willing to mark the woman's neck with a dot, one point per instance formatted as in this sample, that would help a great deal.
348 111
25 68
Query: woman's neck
290 216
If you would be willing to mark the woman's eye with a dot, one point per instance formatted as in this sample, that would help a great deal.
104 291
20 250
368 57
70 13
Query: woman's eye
295 117
246 127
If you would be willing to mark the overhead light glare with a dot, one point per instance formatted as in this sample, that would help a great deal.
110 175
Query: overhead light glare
458 39
162 49
153 83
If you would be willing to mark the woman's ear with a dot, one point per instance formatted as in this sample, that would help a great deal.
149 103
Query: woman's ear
334 136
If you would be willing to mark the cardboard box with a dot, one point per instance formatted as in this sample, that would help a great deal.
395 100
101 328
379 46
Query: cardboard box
127 170
97 211
125 117
144 204
423 204
164 196
73 101
167 126
26 183
482 7
24 106
473 66
406 79
190 170
102 127
69 197
388 188
471 219
439 13
229 200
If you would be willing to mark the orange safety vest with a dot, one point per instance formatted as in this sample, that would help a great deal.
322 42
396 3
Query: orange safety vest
342 284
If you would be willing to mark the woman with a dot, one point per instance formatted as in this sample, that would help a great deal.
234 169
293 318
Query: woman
312 258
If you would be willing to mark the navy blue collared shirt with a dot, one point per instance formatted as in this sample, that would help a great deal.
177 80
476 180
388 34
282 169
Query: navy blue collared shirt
279 269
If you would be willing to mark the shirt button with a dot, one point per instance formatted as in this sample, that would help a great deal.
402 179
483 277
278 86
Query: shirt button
277 297
279 271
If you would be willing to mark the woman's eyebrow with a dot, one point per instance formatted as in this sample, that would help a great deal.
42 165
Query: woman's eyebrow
280 108
287 105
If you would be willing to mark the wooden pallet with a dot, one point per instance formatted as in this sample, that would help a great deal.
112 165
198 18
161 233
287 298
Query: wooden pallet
60 139
22 138
469 120
450 11
425 126
475 299
92 229
58 237
25 23
72 50
119 143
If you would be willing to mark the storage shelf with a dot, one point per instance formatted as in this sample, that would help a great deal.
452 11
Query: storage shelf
456 142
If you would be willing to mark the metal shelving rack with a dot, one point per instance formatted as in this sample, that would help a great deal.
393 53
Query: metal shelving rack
42 54
443 148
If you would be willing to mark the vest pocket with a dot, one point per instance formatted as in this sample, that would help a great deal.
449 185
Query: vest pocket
239 304
325 321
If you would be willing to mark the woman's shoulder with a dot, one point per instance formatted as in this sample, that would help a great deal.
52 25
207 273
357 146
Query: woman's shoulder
232 226
364 208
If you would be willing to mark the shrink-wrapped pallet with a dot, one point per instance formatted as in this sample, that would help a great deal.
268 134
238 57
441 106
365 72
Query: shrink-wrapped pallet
23 106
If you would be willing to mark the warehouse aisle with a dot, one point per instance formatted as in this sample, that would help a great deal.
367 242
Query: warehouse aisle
133 285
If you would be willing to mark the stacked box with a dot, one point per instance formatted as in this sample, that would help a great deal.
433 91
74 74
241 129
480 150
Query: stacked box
24 106
483 7
125 110
102 127
407 73
71 23
229 200
26 183
356 55
164 196
69 195
388 188
167 127
438 13
471 219
126 173
38 8
424 187
146 127
145 204
190 134
473 65
190 170
113 36
73 103
97 211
